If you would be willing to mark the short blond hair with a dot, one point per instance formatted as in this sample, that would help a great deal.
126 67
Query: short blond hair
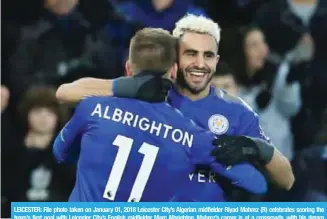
197 24
152 49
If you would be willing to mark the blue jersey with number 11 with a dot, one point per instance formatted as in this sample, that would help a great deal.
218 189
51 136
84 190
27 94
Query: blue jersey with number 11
129 150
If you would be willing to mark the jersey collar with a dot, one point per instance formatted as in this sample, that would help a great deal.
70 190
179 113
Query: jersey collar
174 95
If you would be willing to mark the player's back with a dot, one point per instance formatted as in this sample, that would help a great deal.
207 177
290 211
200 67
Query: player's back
132 151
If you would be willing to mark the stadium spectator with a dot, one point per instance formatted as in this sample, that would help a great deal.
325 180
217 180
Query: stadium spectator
36 176
9 135
224 79
265 88
321 136
158 13
4 97
310 168
65 43
303 42
232 13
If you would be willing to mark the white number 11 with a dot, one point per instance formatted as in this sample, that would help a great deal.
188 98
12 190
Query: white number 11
124 145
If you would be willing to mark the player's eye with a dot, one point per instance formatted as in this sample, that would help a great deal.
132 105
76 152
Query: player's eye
190 53
209 55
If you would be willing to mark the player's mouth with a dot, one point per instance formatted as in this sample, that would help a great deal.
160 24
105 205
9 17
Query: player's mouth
197 76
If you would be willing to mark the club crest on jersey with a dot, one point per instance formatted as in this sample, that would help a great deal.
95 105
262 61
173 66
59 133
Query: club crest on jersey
218 124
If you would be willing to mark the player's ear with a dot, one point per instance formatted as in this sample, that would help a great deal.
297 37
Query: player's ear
218 58
173 71
128 68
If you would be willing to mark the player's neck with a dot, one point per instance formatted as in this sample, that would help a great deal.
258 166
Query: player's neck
192 96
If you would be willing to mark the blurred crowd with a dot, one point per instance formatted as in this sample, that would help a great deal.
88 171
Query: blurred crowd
273 55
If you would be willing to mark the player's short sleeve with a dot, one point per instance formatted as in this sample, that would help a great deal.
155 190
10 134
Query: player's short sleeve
201 147
66 146
243 175
200 152
248 119
80 115
250 124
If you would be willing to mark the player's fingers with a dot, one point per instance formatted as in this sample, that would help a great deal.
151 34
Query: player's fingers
229 139
161 90
166 84
225 140
214 153
217 152
221 152
223 160
157 96
224 154
163 87
227 159
217 142
160 98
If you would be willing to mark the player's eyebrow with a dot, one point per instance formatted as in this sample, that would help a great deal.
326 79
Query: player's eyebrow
206 53
190 51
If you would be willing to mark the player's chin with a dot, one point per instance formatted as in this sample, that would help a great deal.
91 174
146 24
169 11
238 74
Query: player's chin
199 85
196 89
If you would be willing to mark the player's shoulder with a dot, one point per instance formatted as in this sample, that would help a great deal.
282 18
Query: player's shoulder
232 103
173 112
91 102
103 99
177 117
135 105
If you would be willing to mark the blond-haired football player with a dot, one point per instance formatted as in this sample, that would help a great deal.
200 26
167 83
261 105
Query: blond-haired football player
227 116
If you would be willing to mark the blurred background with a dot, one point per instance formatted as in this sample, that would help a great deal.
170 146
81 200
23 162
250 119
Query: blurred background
273 52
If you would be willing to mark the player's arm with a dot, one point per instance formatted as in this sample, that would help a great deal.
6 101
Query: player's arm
148 87
202 152
82 88
242 175
252 145
66 146
277 166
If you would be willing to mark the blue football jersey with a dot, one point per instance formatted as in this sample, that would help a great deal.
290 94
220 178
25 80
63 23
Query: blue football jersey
129 150
220 113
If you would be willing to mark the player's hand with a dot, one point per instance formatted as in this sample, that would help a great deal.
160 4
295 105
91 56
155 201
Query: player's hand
232 150
150 87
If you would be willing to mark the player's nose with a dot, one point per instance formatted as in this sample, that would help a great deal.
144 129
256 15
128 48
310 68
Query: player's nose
199 62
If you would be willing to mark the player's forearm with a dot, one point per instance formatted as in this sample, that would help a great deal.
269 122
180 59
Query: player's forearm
277 165
243 176
146 87
82 88
280 171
